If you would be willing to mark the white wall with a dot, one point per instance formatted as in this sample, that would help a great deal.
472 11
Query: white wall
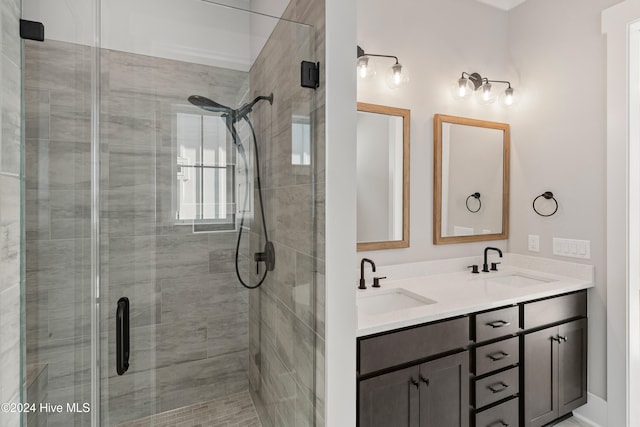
446 37
185 30
340 211
559 136
554 55
623 141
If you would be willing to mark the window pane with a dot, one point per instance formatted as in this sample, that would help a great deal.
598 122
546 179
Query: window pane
301 141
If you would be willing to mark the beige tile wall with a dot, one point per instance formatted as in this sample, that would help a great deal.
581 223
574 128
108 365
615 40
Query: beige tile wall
286 327
10 200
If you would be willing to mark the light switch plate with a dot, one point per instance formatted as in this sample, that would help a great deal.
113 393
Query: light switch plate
572 248
533 243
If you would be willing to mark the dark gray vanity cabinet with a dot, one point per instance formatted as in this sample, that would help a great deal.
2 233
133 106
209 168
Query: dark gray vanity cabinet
391 399
520 365
410 378
555 360
432 394
444 396
495 367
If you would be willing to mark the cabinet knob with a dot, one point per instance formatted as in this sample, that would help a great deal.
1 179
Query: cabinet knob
424 380
414 382
564 339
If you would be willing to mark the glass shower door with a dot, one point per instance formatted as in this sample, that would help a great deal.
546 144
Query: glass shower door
194 152
171 265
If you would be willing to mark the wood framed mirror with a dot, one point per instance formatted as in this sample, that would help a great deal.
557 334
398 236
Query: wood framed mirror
383 150
471 180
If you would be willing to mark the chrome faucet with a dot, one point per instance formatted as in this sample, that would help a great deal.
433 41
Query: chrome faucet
373 268
485 266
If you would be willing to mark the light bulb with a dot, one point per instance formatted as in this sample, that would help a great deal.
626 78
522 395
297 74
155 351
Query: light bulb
508 98
396 76
485 94
462 88
366 69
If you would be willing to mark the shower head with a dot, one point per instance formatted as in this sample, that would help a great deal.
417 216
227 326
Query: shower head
235 115
209 105
230 115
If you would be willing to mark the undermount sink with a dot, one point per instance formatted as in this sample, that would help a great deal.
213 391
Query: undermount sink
517 280
384 301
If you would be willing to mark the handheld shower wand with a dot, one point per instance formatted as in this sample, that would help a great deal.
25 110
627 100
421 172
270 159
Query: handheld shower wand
231 116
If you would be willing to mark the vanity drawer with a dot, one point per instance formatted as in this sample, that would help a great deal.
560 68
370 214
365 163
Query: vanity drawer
497 323
497 387
554 310
395 348
505 414
497 355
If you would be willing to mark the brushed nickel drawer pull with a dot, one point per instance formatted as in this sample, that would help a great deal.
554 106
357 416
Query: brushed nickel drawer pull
498 355
498 387
498 323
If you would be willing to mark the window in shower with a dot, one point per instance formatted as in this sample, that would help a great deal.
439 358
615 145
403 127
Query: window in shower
301 140
205 171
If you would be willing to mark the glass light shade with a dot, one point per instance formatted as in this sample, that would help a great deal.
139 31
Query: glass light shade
366 70
485 94
396 76
463 88
508 97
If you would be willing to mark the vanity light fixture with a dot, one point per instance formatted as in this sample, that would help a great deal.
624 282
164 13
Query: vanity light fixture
470 83
395 76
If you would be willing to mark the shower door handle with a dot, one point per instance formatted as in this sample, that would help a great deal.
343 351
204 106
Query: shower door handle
122 336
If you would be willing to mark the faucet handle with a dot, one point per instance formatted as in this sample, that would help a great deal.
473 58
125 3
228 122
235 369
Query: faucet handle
376 281
474 268
494 266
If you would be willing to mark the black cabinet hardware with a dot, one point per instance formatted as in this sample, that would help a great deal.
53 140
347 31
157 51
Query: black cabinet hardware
498 387
498 323
424 380
498 356
498 424
414 382
122 336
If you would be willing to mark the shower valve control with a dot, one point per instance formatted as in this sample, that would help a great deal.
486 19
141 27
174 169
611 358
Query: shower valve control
268 256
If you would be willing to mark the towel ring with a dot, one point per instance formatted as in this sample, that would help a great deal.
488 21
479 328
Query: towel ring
477 197
547 195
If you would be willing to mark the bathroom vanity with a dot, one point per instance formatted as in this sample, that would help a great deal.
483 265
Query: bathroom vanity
497 349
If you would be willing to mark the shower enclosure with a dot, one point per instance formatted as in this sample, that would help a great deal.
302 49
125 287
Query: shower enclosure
141 214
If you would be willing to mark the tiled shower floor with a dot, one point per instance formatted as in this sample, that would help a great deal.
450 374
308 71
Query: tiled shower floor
236 410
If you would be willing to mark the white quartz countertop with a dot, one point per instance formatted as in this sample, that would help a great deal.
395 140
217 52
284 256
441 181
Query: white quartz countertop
461 293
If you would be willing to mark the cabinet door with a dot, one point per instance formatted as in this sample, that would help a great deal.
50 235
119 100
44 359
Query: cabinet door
540 377
390 400
444 392
572 366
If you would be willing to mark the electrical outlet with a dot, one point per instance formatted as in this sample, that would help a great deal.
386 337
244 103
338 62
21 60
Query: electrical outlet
534 243
572 248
